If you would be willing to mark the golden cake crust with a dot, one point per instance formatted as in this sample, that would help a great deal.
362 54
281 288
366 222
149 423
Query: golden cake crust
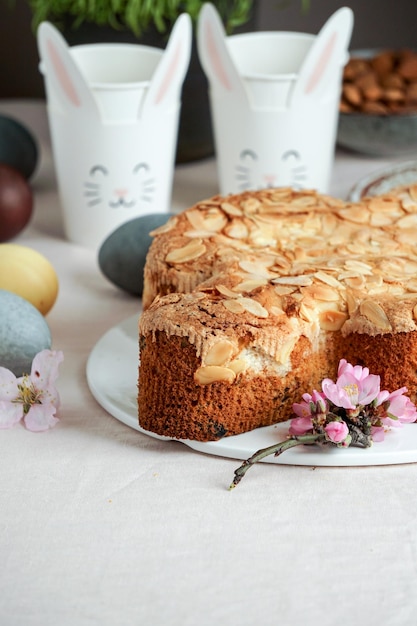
251 300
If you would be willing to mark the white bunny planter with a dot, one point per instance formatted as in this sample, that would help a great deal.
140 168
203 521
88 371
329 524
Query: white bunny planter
274 101
113 113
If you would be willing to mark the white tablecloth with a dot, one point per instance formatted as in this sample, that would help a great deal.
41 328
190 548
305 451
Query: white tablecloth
100 524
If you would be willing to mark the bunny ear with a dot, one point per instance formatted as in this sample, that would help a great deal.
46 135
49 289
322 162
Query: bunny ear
65 82
214 54
326 55
167 80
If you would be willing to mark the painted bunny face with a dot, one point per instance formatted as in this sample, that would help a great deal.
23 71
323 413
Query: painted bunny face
251 173
113 142
135 190
274 129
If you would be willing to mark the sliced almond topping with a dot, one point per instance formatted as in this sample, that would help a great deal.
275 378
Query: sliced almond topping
323 292
355 282
231 209
412 190
332 320
407 236
307 312
255 268
375 314
284 290
254 307
328 279
285 350
385 203
357 214
190 251
234 306
237 230
219 353
276 310
214 221
352 303
380 219
208 374
238 366
299 281
164 228
358 266
225 291
198 234
195 217
250 205
249 285
415 313
408 221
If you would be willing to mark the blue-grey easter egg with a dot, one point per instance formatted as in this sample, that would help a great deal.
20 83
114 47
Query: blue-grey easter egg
122 255
18 147
23 333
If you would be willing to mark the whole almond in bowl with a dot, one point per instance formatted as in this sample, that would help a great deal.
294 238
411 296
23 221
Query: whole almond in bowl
378 107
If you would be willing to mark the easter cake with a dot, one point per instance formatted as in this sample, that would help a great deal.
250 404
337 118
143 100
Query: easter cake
251 300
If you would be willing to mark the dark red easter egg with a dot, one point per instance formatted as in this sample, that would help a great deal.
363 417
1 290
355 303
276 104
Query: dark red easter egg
16 202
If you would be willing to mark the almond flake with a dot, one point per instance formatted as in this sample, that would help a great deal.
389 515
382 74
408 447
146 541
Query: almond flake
375 314
234 306
189 252
164 228
237 230
194 216
284 352
237 366
299 281
208 374
284 290
328 279
225 291
254 268
332 320
219 353
231 209
356 214
323 292
214 222
307 313
198 234
254 307
409 221
249 285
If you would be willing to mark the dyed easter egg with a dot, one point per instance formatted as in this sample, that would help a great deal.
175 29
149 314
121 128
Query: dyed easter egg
18 147
122 255
23 333
28 274
16 202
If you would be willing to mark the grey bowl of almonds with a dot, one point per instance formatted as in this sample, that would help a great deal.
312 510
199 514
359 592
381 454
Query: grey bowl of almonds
378 108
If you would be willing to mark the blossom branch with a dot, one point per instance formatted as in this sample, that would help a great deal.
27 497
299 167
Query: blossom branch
276 450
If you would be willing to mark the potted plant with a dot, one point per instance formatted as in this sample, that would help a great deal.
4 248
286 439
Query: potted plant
149 22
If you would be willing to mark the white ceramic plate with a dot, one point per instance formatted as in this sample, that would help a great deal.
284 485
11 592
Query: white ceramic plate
383 181
112 378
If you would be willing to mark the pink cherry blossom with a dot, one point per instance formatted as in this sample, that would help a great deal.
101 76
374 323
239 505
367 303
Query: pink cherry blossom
336 431
34 397
354 386
357 371
311 404
401 408
378 433
300 426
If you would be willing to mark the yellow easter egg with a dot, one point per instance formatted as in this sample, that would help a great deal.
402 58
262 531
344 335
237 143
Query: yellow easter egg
28 274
